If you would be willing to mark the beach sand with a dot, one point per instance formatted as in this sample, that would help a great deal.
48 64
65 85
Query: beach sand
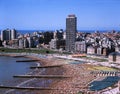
79 77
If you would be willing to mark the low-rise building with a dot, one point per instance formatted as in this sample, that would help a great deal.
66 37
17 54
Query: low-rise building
105 51
57 44
117 49
99 50
53 44
90 50
114 57
80 47
61 44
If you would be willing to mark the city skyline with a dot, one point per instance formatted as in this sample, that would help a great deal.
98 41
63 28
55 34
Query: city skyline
50 15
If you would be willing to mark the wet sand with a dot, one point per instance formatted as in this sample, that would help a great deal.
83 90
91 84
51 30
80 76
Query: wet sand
80 77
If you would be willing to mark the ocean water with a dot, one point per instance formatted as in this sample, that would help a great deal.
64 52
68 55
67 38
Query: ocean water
84 31
26 31
31 31
9 67
107 82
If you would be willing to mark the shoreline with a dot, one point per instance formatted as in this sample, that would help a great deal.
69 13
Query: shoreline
41 61
80 75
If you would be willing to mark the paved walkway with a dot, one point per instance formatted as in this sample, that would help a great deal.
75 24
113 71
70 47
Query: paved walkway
112 91
93 62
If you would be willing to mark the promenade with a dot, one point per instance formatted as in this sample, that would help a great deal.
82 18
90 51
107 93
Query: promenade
89 61
111 91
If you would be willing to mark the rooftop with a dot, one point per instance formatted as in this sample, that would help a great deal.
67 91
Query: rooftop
71 16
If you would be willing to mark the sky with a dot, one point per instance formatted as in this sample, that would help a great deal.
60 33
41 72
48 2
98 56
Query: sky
51 14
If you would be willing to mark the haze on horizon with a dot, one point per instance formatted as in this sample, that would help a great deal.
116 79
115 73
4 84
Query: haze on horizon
51 14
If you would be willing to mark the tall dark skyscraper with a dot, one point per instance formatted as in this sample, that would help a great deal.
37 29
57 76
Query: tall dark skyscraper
71 29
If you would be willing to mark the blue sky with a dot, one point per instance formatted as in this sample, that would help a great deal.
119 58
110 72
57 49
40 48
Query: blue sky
51 14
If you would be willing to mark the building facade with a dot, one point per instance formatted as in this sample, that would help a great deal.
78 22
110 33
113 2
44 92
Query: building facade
90 50
71 29
53 44
80 47
117 49
8 34
13 34
99 51
57 44
114 57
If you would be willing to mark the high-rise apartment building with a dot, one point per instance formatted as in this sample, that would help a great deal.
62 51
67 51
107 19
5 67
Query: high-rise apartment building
13 34
8 34
71 29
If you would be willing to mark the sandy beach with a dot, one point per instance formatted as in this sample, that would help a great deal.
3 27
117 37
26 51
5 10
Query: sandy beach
79 77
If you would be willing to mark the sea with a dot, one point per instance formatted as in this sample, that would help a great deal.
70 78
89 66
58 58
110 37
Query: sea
102 84
84 31
9 67
31 31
